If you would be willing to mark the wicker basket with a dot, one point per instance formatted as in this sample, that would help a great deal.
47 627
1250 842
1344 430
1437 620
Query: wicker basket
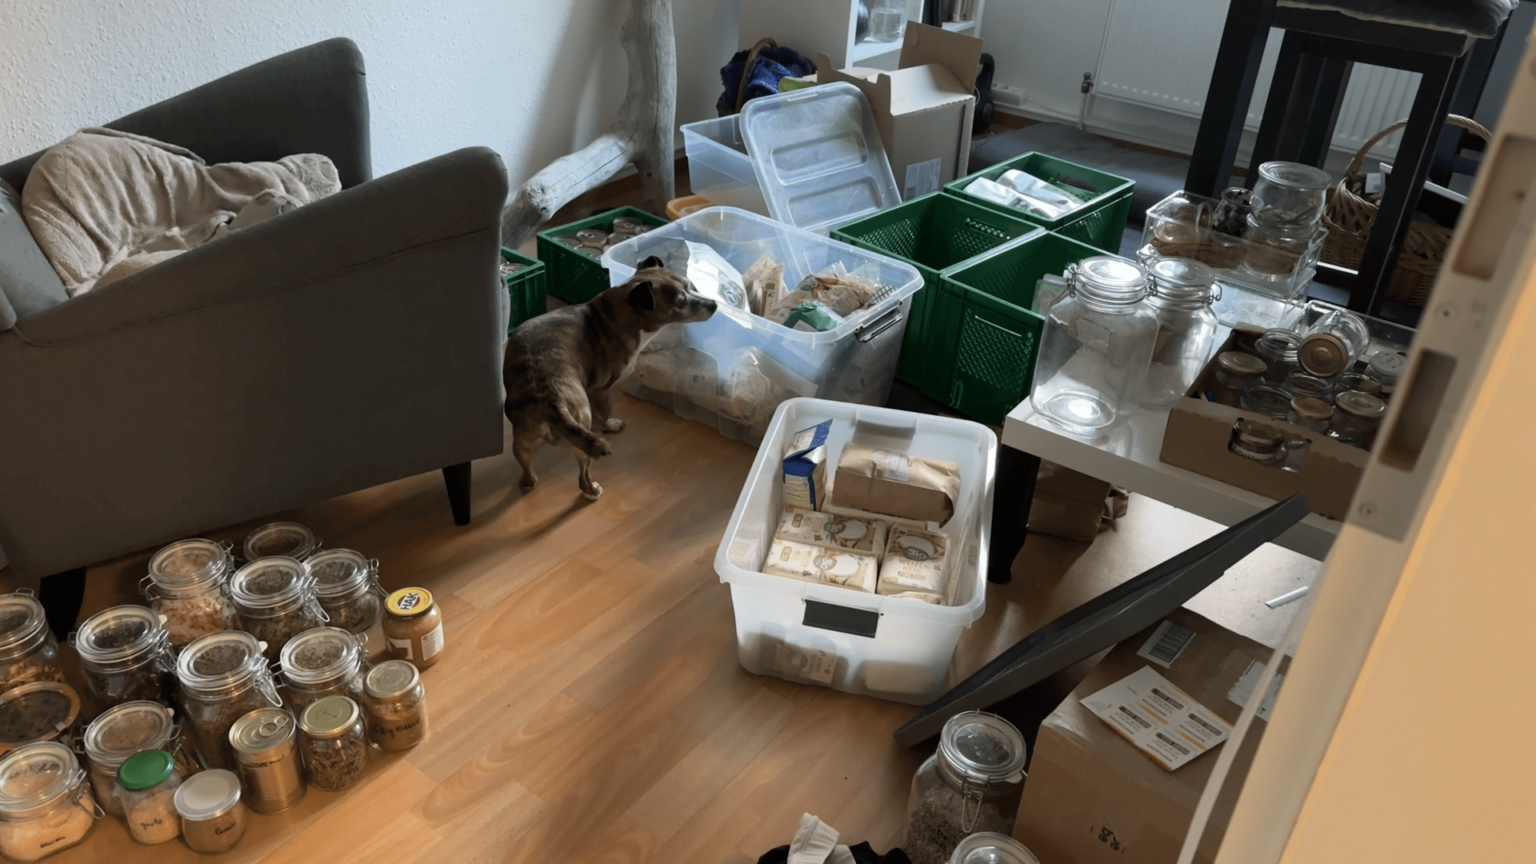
1350 214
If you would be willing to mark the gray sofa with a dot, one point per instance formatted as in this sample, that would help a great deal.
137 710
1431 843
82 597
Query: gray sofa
348 343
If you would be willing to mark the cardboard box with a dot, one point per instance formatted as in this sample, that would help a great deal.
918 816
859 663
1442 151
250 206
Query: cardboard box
1092 797
1068 504
1199 431
925 108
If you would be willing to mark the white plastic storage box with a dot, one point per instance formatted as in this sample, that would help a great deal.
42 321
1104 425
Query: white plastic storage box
719 168
889 647
732 371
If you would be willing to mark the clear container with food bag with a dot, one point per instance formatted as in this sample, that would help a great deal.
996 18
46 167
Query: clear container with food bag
276 601
280 540
1182 294
45 804
972 784
117 734
40 711
188 584
224 676
125 656
347 585
325 661
28 650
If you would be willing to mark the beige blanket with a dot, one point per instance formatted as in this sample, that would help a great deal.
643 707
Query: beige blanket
101 197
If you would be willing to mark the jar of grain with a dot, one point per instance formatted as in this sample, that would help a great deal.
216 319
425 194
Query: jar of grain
224 676
267 751
972 784
347 585
396 706
334 745
276 601
28 650
125 656
212 815
284 539
188 584
413 627
325 661
149 782
45 805
119 733
44 711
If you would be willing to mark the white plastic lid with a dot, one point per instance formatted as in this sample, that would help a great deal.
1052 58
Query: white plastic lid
818 156
207 795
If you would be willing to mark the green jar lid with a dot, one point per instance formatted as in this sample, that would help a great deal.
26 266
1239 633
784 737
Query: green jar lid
146 770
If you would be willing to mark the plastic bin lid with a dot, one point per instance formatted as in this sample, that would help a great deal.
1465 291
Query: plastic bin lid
818 156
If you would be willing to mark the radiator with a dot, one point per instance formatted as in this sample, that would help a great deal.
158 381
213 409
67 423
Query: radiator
1161 53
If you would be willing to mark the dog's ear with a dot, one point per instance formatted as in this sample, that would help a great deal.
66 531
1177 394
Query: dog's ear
650 262
642 296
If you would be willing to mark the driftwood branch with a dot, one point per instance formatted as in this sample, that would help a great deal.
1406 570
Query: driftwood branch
641 134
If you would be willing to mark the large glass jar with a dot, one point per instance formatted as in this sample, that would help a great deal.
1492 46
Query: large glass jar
45 804
972 784
334 745
413 627
40 711
148 781
224 676
280 539
1182 294
395 705
212 816
347 585
325 661
125 656
1290 195
28 650
188 584
1277 348
276 601
1331 344
1274 254
1096 346
117 734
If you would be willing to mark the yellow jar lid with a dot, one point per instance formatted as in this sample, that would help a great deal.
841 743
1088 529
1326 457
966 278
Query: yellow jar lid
409 602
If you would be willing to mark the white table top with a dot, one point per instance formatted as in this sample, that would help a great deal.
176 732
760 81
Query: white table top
1128 457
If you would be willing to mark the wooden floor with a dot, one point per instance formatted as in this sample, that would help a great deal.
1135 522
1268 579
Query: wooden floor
590 708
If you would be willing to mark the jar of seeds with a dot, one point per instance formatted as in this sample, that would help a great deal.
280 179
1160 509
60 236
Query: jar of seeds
281 539
224 676
276 601
267 750
347 585
334 744
212 816
149 782
40 711
396 706
125 656
117 734
972 784
325 661
188 585
45 804
28 650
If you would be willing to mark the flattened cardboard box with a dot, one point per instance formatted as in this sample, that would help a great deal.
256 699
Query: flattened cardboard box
1093 798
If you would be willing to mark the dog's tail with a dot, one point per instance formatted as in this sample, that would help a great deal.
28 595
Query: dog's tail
583 438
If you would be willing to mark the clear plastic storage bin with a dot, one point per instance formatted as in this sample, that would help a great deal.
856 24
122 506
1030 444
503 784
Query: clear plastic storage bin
892 648
732 371
719 168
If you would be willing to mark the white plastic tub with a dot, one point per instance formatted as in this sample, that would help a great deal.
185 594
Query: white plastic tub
697 370
719 168
889 647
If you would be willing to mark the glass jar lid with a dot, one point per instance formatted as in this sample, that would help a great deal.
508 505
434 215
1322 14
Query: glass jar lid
320 655
262 730
219 660
285 539
22 623
1362 405
391 678
37 711
983 748
1323 354
33 779
1183 273
189 563
120 633
989 847
1259 438
329 717
1110 278
409 602
1241 363
126 729
146 770
268 582
1295 175
207 795
338 571
1311 408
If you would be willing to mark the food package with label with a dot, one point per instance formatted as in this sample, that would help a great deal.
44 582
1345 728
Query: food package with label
763 281
866 536
916 565
805 468
835 288
828 566
897 484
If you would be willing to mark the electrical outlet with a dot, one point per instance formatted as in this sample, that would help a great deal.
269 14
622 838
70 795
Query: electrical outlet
1004 94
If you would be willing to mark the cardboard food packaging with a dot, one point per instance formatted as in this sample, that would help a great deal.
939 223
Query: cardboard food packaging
916 565
829 566
1067 504
896 484
1093 797
830 531
805 467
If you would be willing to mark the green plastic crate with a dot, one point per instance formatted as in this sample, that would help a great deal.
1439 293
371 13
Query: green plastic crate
931 233
1099 222
571 275
525 288
984 313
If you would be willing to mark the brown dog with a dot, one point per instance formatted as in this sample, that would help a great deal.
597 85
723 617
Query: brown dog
559 366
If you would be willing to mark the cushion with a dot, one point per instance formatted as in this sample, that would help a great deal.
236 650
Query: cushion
1478 18
28 283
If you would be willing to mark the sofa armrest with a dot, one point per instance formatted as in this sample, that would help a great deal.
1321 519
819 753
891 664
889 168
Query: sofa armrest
450 196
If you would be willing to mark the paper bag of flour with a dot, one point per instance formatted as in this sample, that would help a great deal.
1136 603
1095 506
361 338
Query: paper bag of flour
917 565
896 484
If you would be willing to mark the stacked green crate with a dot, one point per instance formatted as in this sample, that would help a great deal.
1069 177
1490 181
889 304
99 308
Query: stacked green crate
570 274
1105 197
525 288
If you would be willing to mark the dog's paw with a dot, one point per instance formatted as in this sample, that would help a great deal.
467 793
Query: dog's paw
614 424
601 447
528 483
594 493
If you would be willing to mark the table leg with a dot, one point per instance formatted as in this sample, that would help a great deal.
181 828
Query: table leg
1011 500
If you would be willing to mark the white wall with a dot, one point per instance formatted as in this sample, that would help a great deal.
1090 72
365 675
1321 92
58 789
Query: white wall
533 79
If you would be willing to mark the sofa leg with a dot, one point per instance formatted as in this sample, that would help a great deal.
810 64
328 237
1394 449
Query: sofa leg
457 477
62 595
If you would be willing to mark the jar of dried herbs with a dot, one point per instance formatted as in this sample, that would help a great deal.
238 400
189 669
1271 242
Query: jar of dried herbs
149 782
224 676
285 539
45 805
396 706
212 815
334 745
41 711
188 584
347 585
325 661
972 784
276 601
117 734
125 656
28 650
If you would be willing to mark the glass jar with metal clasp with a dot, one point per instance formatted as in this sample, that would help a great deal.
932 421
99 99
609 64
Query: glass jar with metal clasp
972 784
1181 296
